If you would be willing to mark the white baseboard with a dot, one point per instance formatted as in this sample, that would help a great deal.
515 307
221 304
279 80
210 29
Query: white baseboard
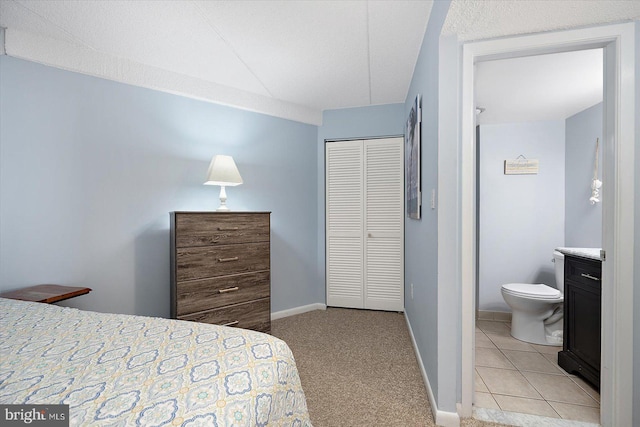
297 310
442 418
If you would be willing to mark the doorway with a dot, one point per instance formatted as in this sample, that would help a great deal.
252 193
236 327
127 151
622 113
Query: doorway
619 110
534 111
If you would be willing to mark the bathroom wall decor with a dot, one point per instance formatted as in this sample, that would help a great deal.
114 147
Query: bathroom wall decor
596 184
521 166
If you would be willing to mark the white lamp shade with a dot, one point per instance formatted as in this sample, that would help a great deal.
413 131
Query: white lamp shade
223 171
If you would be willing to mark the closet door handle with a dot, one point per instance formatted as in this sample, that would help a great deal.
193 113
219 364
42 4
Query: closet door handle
227 229
588 276
235 258
235 322
222 291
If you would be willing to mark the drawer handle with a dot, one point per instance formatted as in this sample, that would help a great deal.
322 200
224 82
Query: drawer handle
588 276
222 291
235 322
227 229
235 258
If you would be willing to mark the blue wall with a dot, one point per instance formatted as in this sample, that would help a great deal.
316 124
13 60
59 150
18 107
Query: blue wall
515 208
349 123
583 221
362 122
636 281
90 170
421 244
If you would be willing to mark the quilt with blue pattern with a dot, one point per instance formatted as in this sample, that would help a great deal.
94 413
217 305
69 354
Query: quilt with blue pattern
123 370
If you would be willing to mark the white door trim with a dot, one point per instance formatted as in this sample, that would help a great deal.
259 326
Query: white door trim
618 202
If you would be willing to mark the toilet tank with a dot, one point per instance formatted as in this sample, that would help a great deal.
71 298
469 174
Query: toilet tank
558 259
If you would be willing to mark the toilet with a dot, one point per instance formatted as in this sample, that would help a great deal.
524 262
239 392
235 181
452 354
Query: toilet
537 311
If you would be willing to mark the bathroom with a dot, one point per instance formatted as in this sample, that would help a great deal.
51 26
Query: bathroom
523 218
535 175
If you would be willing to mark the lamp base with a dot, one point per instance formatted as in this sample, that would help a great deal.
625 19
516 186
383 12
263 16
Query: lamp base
223 200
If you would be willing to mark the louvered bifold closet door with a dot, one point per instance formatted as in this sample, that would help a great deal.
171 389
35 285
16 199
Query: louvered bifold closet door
384 224
344 228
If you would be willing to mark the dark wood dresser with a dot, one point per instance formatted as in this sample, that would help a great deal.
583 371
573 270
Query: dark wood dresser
220 268
582 311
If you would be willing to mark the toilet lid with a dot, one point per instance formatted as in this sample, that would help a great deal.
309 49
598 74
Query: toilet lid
539 291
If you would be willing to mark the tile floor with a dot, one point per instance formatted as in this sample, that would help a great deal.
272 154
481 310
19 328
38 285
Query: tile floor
516 376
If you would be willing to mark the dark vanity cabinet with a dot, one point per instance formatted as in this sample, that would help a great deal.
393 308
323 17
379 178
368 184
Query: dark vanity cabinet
582 308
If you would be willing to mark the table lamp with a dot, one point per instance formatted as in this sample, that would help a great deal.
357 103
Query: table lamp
223 172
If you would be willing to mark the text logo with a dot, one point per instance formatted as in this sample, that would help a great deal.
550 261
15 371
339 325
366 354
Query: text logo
34 415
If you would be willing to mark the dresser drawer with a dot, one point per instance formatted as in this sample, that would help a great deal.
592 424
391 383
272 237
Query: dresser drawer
200 295
213 261
250 315
583 271
203 229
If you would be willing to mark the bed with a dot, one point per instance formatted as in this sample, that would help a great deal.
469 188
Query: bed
123 370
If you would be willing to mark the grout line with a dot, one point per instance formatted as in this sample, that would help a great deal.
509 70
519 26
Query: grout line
481 379
563 372
558 374
573 404
554 410
520 397
496 400
531 398
583 389
506 357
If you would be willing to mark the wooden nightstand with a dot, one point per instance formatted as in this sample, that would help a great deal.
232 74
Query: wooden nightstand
46 293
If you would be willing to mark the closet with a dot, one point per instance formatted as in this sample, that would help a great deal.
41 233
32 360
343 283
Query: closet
365 224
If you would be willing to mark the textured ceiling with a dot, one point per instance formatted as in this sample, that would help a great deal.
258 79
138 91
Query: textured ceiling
287 58
547 87
484 19
291 59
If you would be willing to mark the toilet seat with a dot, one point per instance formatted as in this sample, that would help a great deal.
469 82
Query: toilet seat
532 291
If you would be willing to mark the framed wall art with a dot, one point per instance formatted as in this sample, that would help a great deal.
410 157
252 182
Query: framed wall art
412 160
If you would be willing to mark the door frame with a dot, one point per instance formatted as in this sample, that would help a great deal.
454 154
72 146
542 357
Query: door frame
618 43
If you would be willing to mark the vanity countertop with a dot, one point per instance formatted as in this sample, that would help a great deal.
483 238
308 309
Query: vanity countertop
590 253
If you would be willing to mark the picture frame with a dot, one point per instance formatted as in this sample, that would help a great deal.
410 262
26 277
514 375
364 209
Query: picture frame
412 138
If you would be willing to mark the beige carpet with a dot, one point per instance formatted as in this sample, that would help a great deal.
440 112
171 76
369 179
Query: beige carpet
358 368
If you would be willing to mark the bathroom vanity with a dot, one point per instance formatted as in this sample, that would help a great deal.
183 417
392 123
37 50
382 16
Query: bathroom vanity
582 310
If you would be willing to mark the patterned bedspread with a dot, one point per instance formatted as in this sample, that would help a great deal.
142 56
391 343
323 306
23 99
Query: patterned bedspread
121 370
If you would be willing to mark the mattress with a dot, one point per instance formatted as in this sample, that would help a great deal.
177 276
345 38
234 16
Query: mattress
123 370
